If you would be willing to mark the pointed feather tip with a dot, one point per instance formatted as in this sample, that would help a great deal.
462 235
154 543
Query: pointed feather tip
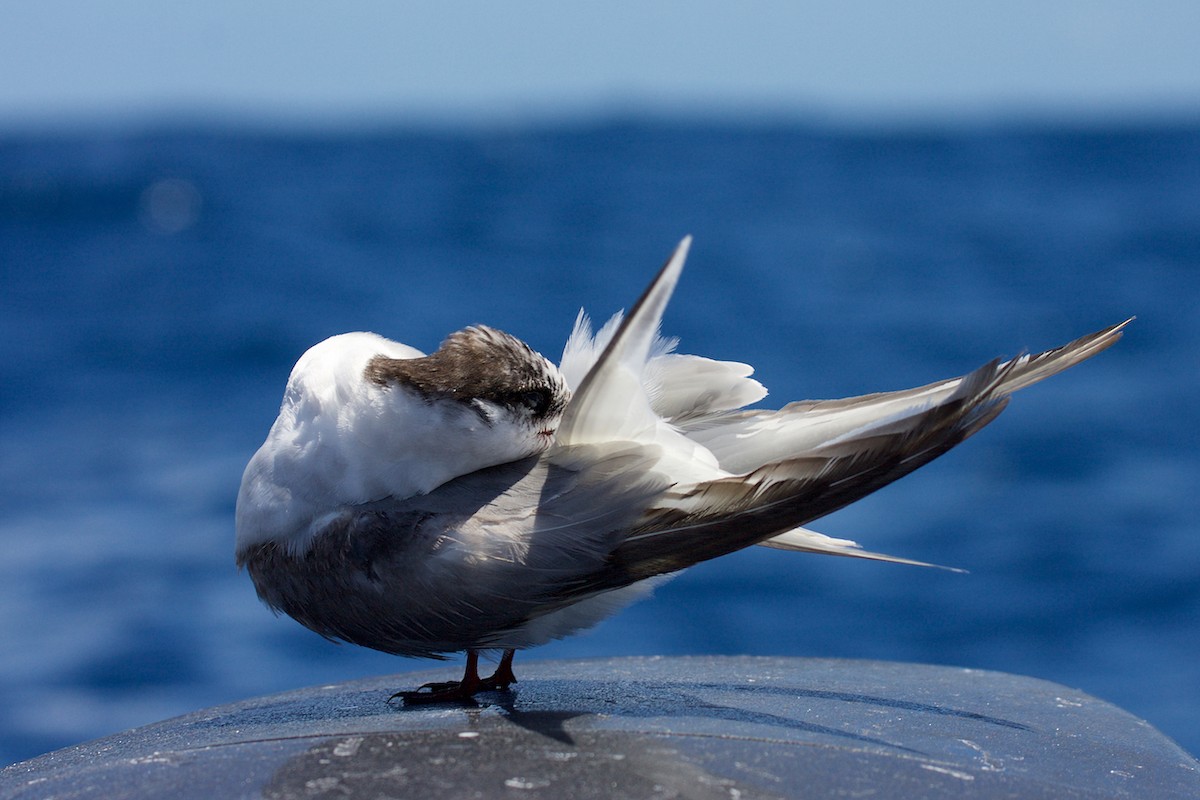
637 332
663 286
806 540
1108 335
910 562
681 249
627 351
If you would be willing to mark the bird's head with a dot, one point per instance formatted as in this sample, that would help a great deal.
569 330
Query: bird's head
491 386
365 418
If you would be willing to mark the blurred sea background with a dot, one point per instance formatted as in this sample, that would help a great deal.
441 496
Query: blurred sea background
158 279
157 288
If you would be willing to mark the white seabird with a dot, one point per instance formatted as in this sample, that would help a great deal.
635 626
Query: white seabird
466 500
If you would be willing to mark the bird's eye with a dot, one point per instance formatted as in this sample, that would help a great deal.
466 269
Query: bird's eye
536 400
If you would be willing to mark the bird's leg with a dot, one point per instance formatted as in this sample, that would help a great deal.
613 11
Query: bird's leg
462 691
503 677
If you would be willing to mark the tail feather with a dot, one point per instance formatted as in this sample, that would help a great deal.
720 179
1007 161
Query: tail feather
802 540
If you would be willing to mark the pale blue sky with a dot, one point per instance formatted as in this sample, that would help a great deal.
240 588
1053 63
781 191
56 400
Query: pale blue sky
369 60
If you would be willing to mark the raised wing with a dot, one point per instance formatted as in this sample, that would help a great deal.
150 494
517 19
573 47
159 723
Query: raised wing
611 403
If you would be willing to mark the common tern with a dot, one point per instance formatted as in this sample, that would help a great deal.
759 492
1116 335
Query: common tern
481 498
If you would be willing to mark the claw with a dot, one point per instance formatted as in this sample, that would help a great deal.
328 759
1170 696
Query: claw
447 692
463 691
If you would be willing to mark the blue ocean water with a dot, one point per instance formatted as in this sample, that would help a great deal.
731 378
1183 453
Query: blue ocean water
156 285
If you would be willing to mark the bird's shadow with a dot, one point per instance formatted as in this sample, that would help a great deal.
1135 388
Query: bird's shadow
666 699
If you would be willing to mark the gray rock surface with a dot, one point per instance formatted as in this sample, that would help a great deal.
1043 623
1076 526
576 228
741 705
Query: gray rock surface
708 727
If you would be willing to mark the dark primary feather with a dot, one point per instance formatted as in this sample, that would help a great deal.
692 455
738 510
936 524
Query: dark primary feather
736 512
743 510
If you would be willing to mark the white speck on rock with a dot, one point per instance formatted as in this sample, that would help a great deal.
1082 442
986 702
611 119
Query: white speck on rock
348 747
527 783
953 773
